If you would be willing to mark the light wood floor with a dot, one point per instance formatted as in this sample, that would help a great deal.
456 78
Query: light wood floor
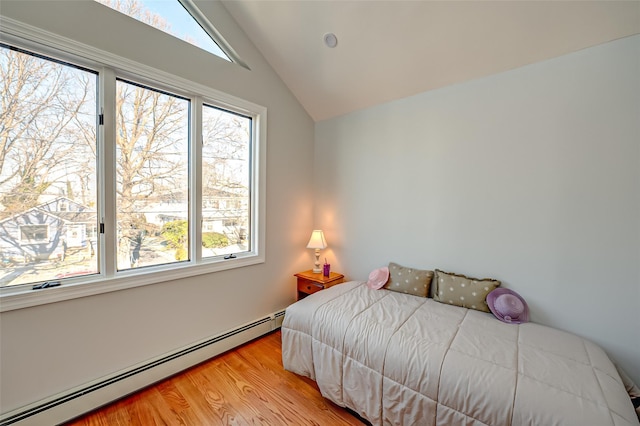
246 386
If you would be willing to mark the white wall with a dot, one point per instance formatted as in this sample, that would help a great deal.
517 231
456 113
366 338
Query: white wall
51 348
531 176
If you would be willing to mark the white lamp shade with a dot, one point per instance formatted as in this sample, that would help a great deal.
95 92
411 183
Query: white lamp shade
317 240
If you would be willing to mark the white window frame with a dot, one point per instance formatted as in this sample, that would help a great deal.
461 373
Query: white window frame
111 66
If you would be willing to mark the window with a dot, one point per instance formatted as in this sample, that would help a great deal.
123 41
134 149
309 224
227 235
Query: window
76 236
179 18
152 204
34 234
113 198
48 144
226 140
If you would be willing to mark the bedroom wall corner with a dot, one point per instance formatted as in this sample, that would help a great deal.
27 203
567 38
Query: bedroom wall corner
531 176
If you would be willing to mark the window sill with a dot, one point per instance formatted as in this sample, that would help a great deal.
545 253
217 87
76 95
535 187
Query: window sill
25 297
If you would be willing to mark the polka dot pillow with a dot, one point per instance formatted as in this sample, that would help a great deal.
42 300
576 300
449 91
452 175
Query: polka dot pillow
409 280
460 290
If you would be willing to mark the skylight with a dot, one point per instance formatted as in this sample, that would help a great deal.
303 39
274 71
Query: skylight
180 18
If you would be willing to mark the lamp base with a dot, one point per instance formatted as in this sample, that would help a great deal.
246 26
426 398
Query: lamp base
316 266
317 270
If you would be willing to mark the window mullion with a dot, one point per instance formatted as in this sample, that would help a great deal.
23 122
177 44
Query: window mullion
107 165
195 145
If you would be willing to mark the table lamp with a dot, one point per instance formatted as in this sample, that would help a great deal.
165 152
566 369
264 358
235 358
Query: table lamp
317 242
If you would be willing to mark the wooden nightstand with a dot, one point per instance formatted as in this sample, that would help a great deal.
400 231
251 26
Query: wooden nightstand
309 282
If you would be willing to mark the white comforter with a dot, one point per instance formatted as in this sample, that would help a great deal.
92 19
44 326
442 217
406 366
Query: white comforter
407 360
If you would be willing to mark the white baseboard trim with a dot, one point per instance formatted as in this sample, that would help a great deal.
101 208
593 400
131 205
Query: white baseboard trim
82 399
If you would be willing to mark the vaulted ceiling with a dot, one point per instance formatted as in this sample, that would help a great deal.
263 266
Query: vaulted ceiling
390 49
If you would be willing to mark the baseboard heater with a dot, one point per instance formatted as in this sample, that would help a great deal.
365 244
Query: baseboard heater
74 403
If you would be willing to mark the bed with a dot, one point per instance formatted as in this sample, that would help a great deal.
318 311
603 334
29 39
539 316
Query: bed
400 359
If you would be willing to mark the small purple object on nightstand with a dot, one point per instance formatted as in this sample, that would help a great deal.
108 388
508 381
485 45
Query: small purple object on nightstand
326 268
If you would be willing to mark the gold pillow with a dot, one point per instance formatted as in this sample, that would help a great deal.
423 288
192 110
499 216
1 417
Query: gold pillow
409 280
460 290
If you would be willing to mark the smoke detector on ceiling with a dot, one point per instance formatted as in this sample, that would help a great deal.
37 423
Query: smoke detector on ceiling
330 40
